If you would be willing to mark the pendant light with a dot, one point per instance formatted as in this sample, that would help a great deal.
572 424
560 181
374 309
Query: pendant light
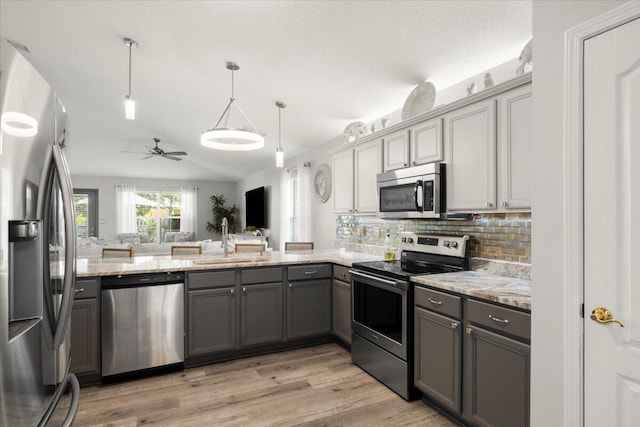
279 151
129 102
232 139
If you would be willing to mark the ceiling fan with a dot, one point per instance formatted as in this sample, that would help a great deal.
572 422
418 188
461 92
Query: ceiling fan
157 151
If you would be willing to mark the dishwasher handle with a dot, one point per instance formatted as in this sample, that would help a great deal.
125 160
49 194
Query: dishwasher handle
123 281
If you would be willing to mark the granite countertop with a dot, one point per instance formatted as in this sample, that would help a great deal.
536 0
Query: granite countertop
500 289
88 267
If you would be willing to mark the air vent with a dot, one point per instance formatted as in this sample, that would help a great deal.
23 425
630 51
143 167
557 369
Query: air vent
19 46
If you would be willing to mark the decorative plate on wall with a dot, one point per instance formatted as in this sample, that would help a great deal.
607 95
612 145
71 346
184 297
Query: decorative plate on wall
322 183
419 101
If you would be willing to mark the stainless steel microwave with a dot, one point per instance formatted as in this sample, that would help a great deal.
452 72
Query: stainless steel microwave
415 192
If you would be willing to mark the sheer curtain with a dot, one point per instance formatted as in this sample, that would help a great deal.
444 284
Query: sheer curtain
189 210
296 205
305 203
126 209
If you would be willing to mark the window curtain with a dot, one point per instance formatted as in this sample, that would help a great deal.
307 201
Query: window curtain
296 208
305 203
287 222
126 209
189 210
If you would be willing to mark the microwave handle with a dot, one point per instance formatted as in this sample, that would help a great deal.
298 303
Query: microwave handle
417 193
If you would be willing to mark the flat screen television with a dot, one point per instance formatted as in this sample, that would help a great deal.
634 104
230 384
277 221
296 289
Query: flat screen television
256 203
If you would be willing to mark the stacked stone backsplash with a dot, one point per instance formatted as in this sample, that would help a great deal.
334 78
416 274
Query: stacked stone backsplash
496 236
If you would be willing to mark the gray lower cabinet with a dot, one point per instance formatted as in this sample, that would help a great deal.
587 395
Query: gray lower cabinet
261 314
342 310
85 328
496 366
341 298
438 364
481 375
211 312
309 301
211 320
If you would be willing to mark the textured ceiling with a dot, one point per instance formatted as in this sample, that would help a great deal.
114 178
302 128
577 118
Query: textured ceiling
332 62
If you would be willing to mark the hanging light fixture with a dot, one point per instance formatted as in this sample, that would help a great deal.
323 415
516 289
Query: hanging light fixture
232 139
279 150
129 102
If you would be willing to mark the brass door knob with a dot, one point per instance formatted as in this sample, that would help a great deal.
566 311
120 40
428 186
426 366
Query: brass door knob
602 315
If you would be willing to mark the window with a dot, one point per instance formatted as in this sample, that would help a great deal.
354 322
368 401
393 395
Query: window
157 212
86 205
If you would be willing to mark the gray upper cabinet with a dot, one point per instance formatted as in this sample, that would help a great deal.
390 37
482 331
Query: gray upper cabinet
211 324
309 301
470 137
261 314
514 149
85 328
368 164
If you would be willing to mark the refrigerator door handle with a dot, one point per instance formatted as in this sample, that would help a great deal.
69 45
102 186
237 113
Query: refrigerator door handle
75 401
66 191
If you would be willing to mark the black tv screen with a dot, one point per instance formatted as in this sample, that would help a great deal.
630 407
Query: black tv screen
256 208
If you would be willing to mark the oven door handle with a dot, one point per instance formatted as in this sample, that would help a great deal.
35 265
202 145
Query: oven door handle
377 279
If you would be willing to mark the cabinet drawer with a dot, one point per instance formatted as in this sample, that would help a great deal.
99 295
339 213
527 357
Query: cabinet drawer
86 288
499 318
341 272
261 275
312 271
211 279
449 305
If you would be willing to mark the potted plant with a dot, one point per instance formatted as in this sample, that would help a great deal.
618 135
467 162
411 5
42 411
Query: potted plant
219 211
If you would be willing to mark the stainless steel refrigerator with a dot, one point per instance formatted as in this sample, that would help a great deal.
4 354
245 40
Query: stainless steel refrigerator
37 249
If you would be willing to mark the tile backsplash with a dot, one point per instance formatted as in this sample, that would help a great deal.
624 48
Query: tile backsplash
497 236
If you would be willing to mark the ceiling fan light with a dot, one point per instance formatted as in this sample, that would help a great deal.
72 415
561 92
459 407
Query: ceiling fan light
232 139
18 124
129 108
279 157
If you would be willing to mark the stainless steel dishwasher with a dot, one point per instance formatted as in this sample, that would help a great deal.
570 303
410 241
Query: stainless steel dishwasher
142 322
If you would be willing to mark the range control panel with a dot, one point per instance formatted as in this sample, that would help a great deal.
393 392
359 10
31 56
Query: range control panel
433 244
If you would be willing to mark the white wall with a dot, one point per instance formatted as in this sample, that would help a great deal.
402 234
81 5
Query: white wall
548 377
106 198
323 219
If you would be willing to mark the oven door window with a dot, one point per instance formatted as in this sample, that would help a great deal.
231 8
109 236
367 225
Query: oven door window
379 310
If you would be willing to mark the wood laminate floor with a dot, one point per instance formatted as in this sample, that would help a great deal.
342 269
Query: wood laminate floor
315 386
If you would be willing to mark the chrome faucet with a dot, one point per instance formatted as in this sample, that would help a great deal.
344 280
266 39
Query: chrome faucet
225 235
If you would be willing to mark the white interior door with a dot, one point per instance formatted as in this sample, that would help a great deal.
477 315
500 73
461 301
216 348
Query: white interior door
612 226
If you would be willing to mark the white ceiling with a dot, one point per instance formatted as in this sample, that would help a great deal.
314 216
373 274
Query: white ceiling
332 62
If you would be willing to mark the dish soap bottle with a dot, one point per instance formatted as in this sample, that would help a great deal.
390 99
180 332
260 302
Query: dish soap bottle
388 248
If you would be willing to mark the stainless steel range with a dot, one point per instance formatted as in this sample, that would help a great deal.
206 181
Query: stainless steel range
382 305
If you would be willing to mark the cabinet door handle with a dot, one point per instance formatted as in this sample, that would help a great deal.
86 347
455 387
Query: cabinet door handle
344 275
291 285
404 164
489 204
231 291
79 290
434 302
469 331
310 273
413 162
454 325
244 290
501 322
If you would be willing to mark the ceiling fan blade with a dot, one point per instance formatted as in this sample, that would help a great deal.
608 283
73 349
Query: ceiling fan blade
176 153
171 157
133 152
148 157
